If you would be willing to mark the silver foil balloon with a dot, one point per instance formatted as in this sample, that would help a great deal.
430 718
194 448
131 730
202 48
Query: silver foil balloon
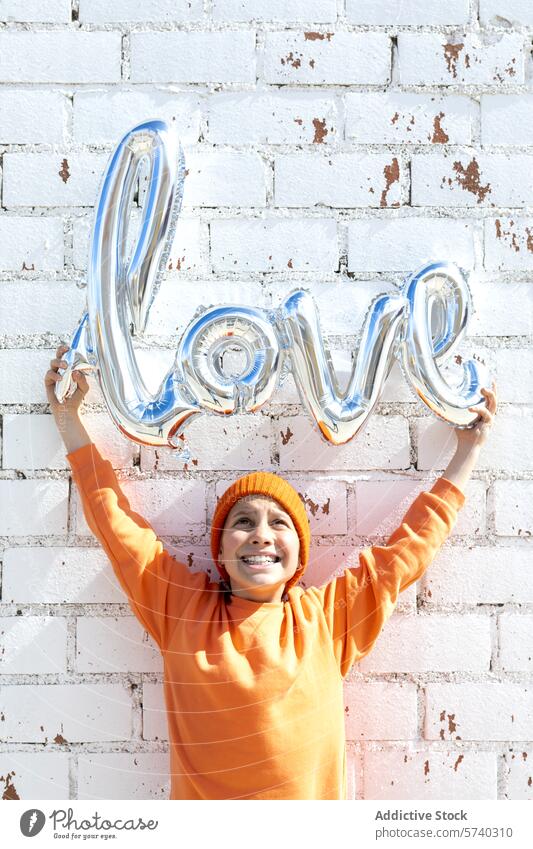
439 307
200 359
340 416
421 325
122 283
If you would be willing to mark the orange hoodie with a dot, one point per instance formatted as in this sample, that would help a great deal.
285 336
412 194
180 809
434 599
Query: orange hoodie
254 691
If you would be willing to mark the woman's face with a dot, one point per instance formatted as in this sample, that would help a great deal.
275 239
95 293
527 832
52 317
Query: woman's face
259 548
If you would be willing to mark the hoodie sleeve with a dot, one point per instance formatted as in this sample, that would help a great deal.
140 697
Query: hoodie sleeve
158 586
357 604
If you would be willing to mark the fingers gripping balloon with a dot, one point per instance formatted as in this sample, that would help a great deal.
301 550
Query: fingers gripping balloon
420 326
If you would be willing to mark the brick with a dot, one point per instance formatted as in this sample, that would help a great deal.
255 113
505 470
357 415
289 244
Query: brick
325 503
49 511
19 316
33 11
318 11
114 644
104 116
301 447
239 442
506 119
512 504
46 179
381 506
177 303
430 59
18 108
31 363
472 180
507 449
185 252
390 13
285 118
173 507
500 309
513 370
59 576
516 642
508 244
154 712
346 180
296 244
31 243
456 774
34 775
38 713
224 179
33 442
501 12
404 118
380 711
484 711
329 560
474 576
404 244
313 58
33 644
123 775
151 11
518 773
196 57
59 56
432 643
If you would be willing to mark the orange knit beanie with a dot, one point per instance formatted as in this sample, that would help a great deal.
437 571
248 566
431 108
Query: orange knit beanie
273 486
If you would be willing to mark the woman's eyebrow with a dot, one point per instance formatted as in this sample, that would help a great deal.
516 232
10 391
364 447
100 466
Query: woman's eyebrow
247 511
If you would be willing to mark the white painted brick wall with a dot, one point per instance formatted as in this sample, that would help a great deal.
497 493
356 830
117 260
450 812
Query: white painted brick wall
399 118
389 12
114 644
122 775
193 57
34 775
432 643
342 58
469 711
333 146
38 713
430 775
380 711
429 59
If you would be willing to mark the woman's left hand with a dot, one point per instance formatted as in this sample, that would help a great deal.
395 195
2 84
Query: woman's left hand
477 435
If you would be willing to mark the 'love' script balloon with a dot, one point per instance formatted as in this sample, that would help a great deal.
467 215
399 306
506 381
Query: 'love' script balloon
421 325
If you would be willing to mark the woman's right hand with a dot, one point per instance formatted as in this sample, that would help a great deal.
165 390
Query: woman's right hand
70 406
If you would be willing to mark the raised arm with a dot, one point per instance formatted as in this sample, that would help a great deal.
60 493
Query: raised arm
158 587
357 604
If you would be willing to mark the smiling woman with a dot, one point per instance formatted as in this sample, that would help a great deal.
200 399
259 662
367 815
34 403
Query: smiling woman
260 537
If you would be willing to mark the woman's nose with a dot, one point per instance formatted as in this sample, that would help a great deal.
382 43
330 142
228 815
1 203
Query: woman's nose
261 533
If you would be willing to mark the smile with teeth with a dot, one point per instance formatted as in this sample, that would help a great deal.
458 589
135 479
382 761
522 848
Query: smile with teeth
260 560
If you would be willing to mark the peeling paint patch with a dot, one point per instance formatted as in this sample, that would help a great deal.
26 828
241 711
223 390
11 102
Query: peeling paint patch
9 793
394 118
469 179
321 130
392 175
451 55
318 36
507 234
426 767
287 436
439 135
289 264
313 506
457 762
64 173
296 62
